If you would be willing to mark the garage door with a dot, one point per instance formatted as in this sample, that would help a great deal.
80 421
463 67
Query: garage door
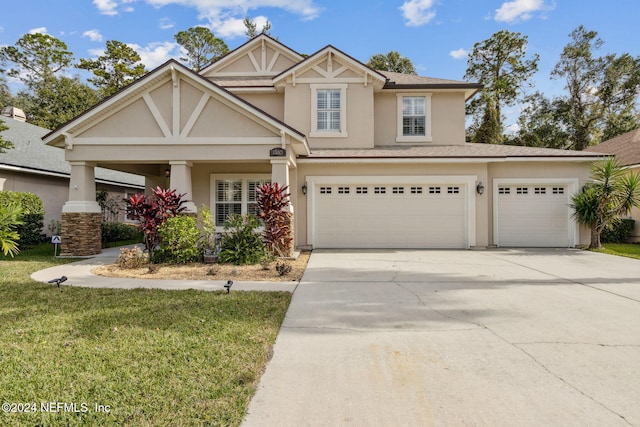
533 216
390 215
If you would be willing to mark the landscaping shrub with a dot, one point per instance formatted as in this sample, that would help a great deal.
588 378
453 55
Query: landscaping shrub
118 232
30 231
178 241
9 221
151 212
131 258
273 209
241 243
619 232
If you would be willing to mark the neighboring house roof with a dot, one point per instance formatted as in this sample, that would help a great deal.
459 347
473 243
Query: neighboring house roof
465 151
625 147
31 155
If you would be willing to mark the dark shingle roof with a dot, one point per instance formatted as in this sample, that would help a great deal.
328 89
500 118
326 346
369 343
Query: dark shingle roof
466 150
31 153
625 147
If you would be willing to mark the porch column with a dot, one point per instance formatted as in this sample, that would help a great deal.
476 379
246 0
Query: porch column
181 182
81 226
280 174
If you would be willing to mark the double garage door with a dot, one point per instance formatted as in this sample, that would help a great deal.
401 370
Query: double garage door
390 215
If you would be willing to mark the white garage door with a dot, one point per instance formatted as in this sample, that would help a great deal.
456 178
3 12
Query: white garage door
533 215
390 216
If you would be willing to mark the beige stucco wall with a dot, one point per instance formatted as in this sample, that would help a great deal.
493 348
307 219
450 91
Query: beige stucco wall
360 117
270 103
447 118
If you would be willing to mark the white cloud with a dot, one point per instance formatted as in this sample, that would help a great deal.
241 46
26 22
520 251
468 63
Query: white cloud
109 7
40 30
418 12
459 53
93 35
106 7
96 52
166 24
520 10
234 27
156 53
225 16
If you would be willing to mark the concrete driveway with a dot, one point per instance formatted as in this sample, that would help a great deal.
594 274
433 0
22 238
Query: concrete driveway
457 338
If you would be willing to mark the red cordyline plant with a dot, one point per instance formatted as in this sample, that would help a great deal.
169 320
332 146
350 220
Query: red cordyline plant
273 209
152 211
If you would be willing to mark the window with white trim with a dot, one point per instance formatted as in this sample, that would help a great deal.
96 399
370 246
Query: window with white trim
328 110
235 195
414 118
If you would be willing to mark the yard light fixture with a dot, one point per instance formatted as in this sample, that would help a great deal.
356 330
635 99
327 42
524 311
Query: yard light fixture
228 285
304 188
480 188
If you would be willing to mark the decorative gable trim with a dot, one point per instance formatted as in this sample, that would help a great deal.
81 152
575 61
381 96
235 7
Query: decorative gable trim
140 92
261 63
338 63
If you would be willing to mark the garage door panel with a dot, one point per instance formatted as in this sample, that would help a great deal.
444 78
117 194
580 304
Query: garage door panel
532 215
390 216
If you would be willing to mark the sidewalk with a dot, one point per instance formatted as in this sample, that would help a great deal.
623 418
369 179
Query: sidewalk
79 274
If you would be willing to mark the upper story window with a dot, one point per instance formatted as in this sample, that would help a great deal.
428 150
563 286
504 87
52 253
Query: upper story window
414 118
328 110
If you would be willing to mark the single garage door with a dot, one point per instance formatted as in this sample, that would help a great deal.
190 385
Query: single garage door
390 216
533 215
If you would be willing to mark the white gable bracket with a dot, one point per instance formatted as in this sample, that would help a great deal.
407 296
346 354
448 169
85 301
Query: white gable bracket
195 115
156 115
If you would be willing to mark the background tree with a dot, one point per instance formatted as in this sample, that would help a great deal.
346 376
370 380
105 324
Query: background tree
37 58
612 194
202 47
251 28
392 61
500 64
539 125
118 67
602 91
490 128
53 104
4 144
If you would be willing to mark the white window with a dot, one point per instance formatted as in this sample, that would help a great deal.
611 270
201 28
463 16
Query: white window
234 195
328 110
414 118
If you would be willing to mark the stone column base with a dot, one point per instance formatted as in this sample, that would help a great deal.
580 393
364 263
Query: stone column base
81 234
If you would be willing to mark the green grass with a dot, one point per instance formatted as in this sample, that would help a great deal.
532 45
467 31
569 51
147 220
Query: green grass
155 357
629 250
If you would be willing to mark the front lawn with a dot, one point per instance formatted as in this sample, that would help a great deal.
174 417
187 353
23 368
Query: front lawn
622 249
129 357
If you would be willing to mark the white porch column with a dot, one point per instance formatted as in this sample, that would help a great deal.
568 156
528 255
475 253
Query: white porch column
280 172
181 182
82 189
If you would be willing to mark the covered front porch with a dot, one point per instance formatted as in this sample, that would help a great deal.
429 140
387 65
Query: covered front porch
180 131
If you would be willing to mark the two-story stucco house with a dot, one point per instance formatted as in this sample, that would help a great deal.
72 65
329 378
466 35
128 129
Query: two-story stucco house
373 159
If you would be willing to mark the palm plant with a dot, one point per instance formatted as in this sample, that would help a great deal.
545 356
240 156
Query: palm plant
612 193
10 217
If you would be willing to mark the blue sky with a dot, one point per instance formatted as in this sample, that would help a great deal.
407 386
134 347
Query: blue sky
434 34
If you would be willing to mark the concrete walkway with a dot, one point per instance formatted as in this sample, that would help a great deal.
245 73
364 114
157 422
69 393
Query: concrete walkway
457 338
79 274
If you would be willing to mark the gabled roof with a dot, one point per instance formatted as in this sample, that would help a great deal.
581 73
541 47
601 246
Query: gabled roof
308 62
31 155
248 46
625 147
151 79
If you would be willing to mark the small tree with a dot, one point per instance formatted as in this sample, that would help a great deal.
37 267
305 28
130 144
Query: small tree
153 211
611 194
273 209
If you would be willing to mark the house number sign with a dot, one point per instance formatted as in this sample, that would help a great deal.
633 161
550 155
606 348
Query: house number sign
277 152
